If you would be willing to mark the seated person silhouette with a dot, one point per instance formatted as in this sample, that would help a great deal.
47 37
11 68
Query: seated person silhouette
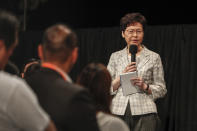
97 79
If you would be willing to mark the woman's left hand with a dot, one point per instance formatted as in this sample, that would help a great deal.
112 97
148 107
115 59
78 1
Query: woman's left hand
138 81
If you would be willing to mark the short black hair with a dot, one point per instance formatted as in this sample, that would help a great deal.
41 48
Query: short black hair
132 18
9 26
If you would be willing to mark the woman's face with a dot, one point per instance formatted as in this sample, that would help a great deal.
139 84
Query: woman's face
134 34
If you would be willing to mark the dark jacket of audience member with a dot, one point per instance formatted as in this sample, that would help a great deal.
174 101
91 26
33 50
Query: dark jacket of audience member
70 106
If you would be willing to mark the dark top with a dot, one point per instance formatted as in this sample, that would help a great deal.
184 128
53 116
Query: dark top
69 106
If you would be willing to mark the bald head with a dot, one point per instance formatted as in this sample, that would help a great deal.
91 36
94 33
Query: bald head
58 43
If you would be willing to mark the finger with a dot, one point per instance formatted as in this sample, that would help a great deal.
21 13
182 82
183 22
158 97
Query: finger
138 84
135 83
125 70
132 68
135 78
140 78
132 63
129 70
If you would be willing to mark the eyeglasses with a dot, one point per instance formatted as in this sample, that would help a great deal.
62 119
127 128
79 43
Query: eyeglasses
131 32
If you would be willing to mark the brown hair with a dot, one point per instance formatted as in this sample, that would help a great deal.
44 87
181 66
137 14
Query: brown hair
97 79
58 42
132 18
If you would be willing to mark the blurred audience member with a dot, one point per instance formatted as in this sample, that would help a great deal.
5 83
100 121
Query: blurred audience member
70 106
97 79
19 108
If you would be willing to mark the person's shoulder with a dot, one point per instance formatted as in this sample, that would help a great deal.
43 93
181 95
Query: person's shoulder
11 84
118 53
70 90
79 91
8 86
6 75
150 52
74 87
111 122
79 94
10 80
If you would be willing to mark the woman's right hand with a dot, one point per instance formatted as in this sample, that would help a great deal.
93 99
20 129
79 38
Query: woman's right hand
130 68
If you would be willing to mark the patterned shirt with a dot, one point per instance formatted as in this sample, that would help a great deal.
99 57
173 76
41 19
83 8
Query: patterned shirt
149 67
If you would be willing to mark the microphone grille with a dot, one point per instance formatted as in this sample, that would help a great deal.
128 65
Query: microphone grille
133 49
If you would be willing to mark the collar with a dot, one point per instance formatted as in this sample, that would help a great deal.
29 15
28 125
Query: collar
143 52
63 74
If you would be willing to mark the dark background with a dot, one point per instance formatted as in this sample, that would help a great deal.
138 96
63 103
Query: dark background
101 13
172 32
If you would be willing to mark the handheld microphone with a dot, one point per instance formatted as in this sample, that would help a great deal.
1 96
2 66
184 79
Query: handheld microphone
133 50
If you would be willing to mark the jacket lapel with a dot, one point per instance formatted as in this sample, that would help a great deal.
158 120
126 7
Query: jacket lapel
125 58
143 58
